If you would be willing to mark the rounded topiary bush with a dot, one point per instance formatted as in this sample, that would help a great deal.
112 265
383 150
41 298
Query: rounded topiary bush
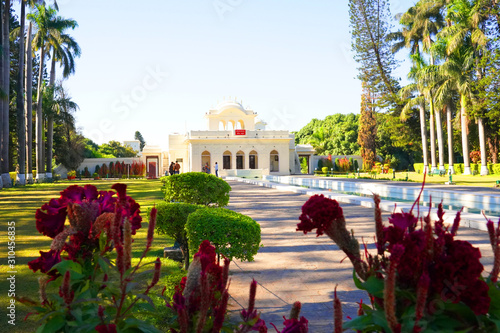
171 220
196 188
234 235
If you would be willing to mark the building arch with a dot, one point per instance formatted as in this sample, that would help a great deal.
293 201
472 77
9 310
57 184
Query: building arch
226 160
274 161
240 124
231 125
205 161
240 160
222 125
253 160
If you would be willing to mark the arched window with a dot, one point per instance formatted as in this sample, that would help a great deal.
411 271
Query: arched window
226 160
222 125
240 160
253 160
274 165
240 124
205 161
231 125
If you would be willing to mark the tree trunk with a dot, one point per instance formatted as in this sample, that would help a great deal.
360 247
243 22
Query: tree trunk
21 123
1 91
493 147
449 126
482 145
423 130
28 105
465 131
50 119
40 172
5 102
439 129
432 128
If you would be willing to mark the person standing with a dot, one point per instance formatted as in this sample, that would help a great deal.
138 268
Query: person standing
216 168
177 168
171 168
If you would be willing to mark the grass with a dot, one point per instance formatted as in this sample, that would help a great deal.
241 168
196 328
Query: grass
20 204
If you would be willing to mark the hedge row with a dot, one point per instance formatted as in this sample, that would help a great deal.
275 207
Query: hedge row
493 169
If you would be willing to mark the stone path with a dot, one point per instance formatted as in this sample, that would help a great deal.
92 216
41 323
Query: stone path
296 267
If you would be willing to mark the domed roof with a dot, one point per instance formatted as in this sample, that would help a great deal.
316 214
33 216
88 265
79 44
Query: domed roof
224 105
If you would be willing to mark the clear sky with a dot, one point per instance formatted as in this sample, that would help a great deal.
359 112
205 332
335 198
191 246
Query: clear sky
158 66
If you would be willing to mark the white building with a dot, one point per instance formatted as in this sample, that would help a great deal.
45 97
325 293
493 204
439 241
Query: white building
236 139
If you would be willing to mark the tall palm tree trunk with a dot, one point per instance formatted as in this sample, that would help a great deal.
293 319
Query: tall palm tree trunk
465 131
482 144
28 105
40 172
5 101
423 131
449 127
432 128
21 120
50 119
439 129
1 92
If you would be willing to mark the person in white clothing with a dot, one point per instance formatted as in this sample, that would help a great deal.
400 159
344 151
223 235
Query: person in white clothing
216 168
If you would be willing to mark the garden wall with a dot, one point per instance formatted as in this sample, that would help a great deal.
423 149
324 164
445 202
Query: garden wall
91 163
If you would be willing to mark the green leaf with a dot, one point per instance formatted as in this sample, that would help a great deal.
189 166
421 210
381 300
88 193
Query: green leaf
70 265
372 285
54 324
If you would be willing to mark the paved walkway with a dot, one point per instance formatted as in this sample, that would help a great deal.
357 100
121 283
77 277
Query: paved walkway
296 267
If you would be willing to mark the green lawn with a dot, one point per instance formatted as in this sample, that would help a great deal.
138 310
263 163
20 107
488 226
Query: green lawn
19 205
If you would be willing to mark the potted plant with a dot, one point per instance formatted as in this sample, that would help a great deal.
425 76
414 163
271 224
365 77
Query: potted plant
96 176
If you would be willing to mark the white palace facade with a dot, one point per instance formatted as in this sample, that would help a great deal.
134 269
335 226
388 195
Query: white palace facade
237 140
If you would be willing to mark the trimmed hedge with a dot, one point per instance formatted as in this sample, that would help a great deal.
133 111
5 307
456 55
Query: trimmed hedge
234 235
196 188
171 220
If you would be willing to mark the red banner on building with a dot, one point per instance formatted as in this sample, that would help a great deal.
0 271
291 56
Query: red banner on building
240 132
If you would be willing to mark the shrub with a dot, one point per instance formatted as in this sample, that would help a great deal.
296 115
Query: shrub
356 165
475 156
328 163
234 235
474 168
490 168
111 169
71 174
324 170
104 170
86 172
337 164
344 164
419 167
351 164
171 221
459 168
196 188
95 175
496 169
320 163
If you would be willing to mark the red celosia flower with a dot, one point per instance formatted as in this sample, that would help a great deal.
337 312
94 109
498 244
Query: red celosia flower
318 213
403 220
294 325
65 289
110 328
46 261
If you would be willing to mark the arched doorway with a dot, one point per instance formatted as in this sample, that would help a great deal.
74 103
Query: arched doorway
226 160
253 160
222 125
240 160
274 165
205 161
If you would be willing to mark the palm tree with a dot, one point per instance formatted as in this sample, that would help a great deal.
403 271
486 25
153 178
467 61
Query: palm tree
49 27
319 140
466 38
28 104
5 76
64 49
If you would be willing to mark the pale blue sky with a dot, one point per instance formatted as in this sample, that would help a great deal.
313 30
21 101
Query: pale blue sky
158 66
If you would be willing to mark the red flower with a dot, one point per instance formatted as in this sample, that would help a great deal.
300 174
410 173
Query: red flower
110 328
403 220
318 213
46 261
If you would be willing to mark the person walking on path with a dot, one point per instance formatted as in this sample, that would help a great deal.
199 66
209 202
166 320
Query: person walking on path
216 168
177 168
171 168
